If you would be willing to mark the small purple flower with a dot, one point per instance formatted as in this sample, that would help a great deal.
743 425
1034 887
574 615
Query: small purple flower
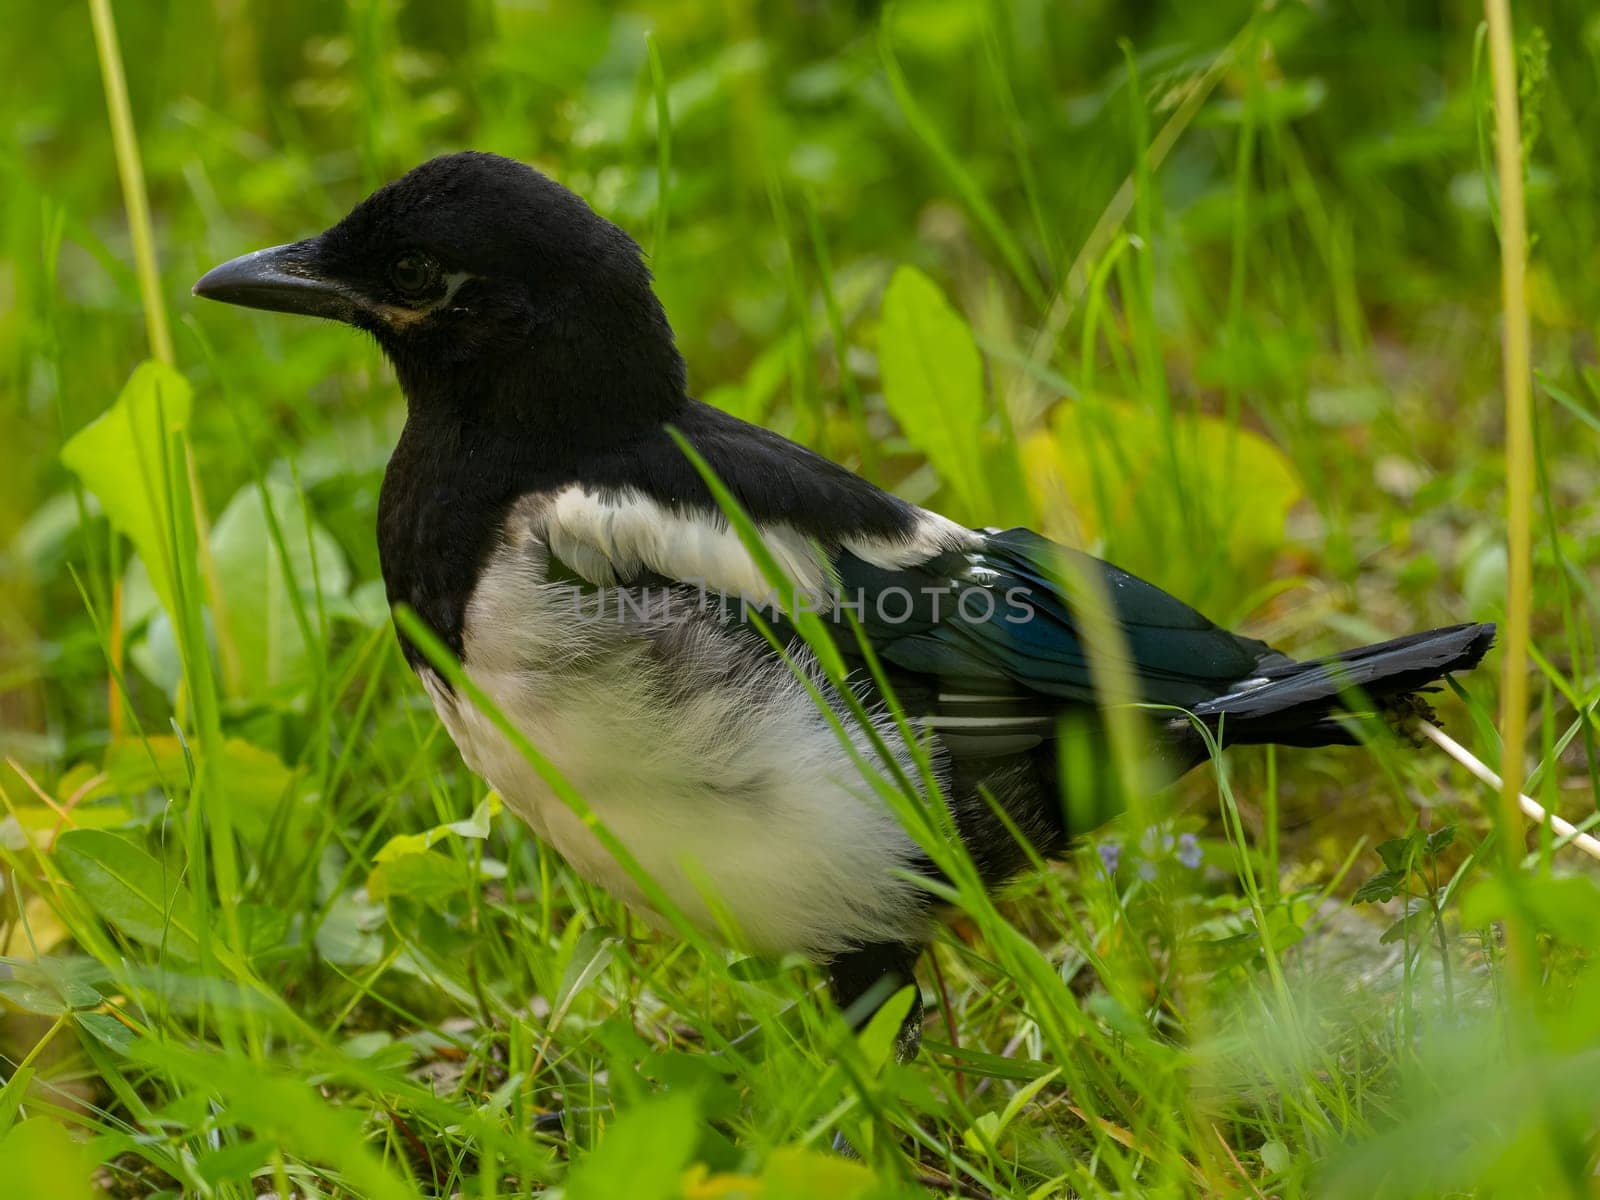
1147 869
1110 856
1189 850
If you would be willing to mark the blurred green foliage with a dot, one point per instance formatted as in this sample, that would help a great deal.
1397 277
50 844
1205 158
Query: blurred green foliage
1212 290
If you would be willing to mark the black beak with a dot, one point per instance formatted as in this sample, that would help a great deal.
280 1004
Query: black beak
280 279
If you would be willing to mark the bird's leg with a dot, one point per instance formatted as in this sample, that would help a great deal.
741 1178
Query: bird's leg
862 980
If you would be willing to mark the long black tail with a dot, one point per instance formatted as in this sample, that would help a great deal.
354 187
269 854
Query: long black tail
1294 703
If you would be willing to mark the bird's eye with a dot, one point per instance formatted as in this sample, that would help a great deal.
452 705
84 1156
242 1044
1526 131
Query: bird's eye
413 271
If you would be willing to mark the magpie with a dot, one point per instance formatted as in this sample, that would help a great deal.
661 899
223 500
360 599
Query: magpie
540 517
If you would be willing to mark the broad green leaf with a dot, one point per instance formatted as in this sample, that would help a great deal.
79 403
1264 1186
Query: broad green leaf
1399 853
989 1127
262 645
713 1080
1023 1097
107 1030
42 1159
264 926
427 877
120 455
263 631
642 1154
129 888
258 783
1385 885
700 1184
878 1039
984 1130
790 1173
347 935
407 867
1124 478
476 826
589 957
53 984
257 780
796 1173
933 383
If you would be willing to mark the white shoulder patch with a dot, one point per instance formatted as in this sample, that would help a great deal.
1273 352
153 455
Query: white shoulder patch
932 536
607 539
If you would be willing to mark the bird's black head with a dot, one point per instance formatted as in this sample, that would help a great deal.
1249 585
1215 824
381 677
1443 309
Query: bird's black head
491 288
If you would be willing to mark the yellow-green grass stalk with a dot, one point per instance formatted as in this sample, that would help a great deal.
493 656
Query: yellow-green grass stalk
1519 450
130 170
141 232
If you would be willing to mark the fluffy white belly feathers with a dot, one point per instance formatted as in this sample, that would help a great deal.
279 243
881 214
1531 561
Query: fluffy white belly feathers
697 749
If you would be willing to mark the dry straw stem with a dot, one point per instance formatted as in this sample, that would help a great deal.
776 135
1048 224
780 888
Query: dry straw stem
1563 829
